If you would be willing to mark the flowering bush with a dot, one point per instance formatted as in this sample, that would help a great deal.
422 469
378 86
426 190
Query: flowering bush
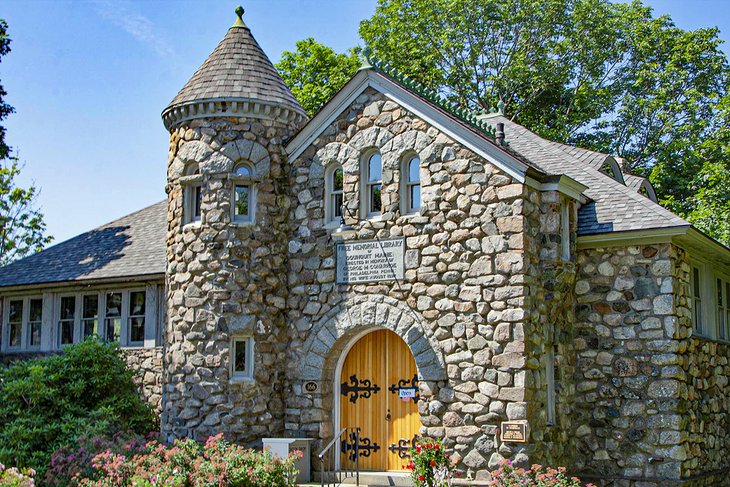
187 463
536 476
429 465
12 477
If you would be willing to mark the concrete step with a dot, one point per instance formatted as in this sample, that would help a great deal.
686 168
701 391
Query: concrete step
374 479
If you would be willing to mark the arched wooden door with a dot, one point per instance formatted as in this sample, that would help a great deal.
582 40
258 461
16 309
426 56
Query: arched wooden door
379 395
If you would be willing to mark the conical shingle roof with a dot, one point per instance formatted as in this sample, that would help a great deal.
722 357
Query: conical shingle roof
236 77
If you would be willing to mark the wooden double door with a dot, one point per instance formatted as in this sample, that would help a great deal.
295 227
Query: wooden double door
379 395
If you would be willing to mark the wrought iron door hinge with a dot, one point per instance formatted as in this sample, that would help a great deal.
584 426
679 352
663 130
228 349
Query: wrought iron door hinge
358 388
401 448
405 384
364 447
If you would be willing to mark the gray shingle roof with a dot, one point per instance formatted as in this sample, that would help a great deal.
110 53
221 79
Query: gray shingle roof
614 207
133 245
238 68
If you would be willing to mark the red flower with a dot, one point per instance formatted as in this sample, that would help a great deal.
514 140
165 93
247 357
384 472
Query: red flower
421 478
433 463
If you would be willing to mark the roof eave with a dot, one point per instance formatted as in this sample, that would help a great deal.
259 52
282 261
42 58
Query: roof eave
80 283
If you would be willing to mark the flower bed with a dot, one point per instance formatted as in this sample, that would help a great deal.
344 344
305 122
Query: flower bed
12 477
536 476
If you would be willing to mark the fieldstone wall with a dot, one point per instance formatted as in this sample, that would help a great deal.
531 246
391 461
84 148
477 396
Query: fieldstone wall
147 363
628 377
468 283
223 279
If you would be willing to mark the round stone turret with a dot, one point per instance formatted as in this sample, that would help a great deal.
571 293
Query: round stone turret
228 215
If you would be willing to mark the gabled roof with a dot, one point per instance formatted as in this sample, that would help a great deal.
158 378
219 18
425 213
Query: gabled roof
614 207
132 246
237 70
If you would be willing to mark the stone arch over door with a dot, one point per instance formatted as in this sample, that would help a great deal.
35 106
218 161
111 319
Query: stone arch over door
333 332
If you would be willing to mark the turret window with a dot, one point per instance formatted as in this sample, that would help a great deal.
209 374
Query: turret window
243 194
373 184
193 194
411 176
333 190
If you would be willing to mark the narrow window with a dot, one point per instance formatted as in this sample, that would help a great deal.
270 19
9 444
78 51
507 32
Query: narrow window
412 188
727 310
373 185
333 186
550 380
136 316
67 322
243 194
697 299
242 358
192 196
113 321
35 321
720 310
15 323
565 231
90 315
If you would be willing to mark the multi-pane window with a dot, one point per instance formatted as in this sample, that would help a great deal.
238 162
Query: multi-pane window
242 358
334 186
15 323
90 315
113 317
136 316
35 322
550 381
67 321
411 174
243 194
697 299
565 231
373 185
723 308
192 196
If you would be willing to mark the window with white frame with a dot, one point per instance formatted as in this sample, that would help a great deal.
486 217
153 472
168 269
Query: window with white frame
35 322
15 323
373 183
697 315
565 231
192 195
243 193
67 320
90 315
135 319
722 288
242 357
411 176
333 185
113 317
550 382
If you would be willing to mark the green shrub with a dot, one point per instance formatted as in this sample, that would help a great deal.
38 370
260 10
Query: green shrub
45 404
536 476
188 463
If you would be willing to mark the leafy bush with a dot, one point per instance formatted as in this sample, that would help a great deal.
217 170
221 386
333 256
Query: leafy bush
12 477
429 465
535 476
45 404
188 463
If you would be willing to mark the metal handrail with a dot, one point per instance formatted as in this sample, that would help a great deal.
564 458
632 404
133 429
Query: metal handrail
349 466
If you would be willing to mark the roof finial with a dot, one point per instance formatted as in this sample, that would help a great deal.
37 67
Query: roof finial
366 63
239 21
500 107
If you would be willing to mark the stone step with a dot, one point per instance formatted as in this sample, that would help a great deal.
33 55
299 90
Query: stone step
374 479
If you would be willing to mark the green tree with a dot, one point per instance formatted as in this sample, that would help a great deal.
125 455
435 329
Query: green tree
22 229
315 72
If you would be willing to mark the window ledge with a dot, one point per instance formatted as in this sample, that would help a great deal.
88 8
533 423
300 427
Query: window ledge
193 224
242 380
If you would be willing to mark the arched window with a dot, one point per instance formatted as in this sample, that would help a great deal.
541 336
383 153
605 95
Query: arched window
193 195
373 177
243 193
411 177
333 194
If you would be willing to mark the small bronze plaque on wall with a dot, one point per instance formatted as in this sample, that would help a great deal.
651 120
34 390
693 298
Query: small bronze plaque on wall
311 386
514 431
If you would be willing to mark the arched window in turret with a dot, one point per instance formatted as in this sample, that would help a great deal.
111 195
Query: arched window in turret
244 193
411 184
372 183
192 194
333 185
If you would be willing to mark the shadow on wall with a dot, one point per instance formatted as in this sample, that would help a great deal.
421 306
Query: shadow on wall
76 258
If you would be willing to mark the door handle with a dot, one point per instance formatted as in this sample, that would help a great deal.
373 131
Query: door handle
387 415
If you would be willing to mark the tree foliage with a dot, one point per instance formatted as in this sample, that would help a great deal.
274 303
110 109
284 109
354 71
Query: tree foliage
594 73
315 72
22 229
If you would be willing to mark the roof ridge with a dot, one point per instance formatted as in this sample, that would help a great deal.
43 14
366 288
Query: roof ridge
462 113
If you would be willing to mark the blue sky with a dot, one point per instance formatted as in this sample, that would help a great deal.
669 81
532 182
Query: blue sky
88 80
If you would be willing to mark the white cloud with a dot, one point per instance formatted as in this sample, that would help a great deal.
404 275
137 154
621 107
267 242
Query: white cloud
135 24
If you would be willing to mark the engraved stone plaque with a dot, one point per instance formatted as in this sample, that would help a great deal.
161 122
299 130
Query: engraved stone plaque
370 260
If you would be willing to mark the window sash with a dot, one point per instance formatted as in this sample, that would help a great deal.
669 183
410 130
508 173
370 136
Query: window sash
16 308
697 300
550 381
242 206
242 356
